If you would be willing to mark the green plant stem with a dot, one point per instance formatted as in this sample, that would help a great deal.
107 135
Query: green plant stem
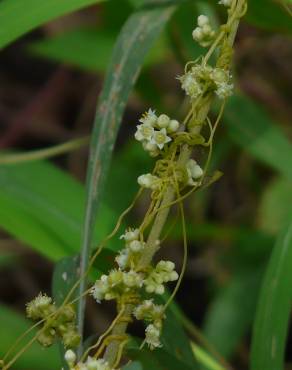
161 217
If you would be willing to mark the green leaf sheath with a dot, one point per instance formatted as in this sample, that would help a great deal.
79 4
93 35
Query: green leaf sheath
274 307
18 17
135 39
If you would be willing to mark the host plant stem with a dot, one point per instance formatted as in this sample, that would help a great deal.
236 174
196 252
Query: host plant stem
161 217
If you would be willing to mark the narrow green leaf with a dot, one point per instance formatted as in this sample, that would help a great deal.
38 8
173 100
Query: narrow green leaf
12 326
274 308
250 127
43 207
18 17
205 359
134 41
231 313
87 48
275 206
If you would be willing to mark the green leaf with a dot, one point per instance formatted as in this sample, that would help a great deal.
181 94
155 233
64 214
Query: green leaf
43 206
136 38
176 342
250 127
205 359
12 326
87 48
274 308
157 360
18 17
231 313
269 15
275 207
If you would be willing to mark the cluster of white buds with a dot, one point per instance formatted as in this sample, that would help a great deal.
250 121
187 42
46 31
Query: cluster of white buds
115 284
132 250
148 311
90 364
154 131
226 3
162 273
149 181
194 172
203 34
202 78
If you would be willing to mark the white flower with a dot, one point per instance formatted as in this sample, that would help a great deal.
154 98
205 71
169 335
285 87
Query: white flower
194 169
226 3
93 364
70 358
144 132
203 20
122 258
160 138
151 148
162 273
218 75
149 118
197 34
173 126
166 271
152 335
136 246
163 121
191 86
115 278
149 311
149 181
100 288
224 90
204 33
130 235
132 279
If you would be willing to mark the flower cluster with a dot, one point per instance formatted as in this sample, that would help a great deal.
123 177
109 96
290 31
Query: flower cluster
115 284
194 172
203 34
57 322
150 312
127 281
129 256
155 131
202 78
118 282
162 273
149 181
90 364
